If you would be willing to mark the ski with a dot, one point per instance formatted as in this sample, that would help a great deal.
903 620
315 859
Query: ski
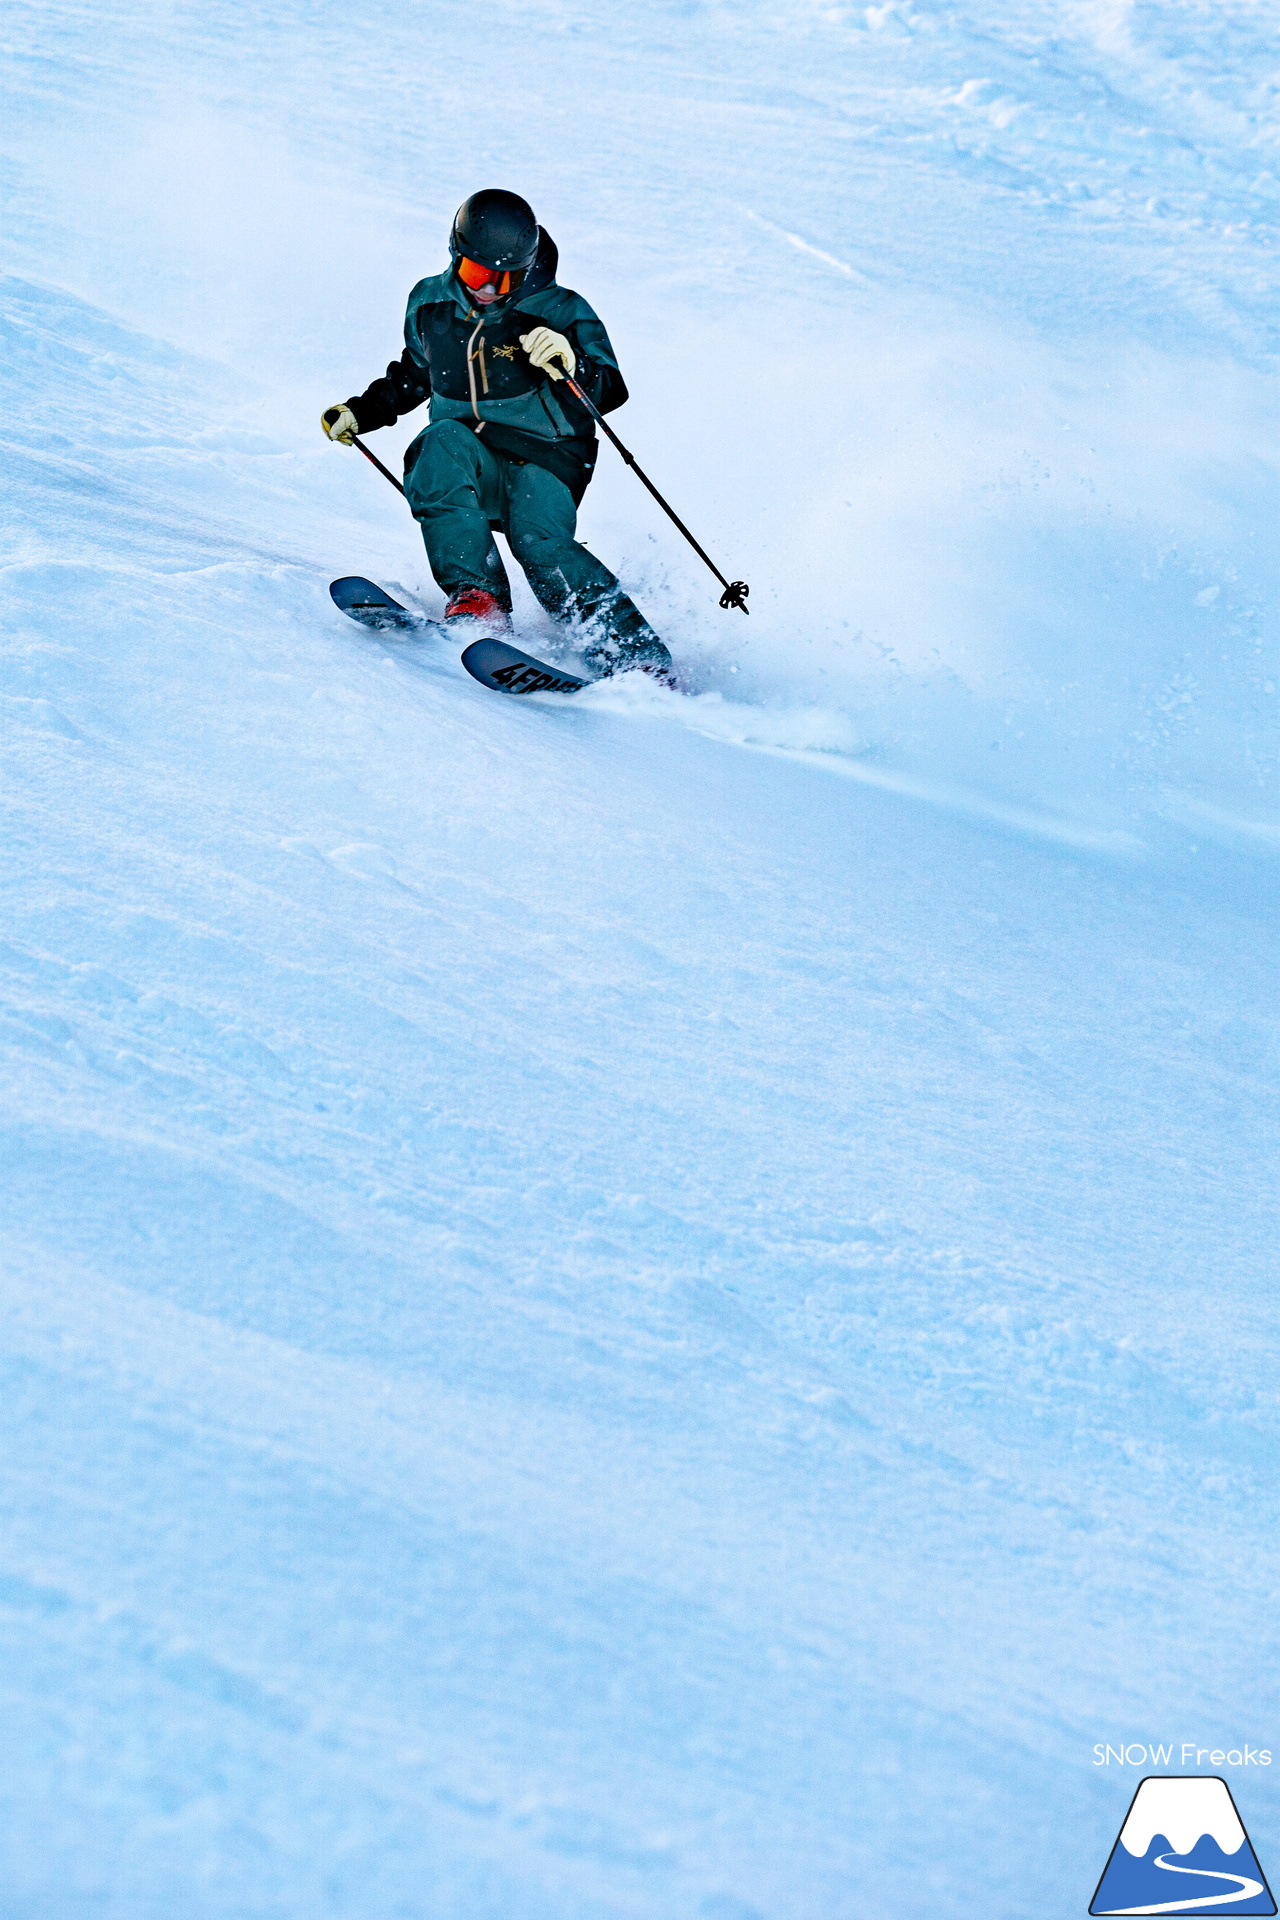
373 608
492 662
507 670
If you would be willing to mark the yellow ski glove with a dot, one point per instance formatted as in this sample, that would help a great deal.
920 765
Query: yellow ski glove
545 347
339 423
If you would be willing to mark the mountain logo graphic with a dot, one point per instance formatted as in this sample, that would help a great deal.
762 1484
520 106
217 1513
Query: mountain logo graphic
1183 1849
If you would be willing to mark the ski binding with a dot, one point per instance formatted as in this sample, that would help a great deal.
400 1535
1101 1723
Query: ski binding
492 662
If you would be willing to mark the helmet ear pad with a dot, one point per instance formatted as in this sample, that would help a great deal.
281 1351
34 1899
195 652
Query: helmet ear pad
496 228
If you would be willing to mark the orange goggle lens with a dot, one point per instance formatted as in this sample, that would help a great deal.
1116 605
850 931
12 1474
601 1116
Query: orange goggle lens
473 275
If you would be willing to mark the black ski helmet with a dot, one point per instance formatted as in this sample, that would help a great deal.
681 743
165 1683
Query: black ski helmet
496 228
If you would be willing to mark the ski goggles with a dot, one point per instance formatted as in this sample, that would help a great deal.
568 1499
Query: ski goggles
475 276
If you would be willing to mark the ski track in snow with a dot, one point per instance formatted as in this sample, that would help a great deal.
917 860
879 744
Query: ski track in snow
639 1306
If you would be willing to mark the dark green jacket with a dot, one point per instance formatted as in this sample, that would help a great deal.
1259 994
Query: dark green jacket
468 361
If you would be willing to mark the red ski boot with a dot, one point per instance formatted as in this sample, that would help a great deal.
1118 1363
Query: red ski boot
484 614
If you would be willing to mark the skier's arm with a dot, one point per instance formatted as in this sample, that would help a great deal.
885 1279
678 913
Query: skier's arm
601 381
598 373
565 316
404 386
550 353
556 355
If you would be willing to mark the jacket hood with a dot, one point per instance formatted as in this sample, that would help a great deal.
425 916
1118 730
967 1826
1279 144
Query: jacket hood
543 271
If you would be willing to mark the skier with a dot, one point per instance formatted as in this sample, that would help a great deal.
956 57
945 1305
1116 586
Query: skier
488 341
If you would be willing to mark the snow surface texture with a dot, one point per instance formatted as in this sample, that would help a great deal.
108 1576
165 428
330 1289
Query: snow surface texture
641 1307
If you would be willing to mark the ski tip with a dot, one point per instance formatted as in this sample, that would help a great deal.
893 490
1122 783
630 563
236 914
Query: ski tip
352 591
504 668
365 601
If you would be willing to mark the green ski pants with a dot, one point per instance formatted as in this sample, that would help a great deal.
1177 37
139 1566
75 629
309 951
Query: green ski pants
459 489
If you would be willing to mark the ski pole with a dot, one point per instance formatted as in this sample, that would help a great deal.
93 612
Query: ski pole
735 591
356 441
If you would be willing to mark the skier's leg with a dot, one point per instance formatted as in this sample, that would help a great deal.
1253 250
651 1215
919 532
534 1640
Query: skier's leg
541 523
454 486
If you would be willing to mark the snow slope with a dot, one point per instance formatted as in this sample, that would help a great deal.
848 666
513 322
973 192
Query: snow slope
639 1307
